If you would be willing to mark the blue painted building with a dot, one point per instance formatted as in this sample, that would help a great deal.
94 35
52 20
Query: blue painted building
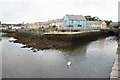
74 21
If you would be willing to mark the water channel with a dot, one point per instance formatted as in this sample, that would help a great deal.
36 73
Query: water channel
93 59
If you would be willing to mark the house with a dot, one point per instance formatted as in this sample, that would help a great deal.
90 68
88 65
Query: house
4 26
113 24
16 27
29 25
74 21
44 24
96 24
57 23
51 23
35 25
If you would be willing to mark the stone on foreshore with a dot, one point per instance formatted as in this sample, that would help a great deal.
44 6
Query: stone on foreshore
114 74
115 66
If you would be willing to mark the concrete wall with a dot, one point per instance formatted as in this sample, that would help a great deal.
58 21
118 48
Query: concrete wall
115 74
75 37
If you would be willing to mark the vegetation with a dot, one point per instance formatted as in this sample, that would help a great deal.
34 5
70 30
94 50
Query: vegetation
54 26
107 22
90 18
70 25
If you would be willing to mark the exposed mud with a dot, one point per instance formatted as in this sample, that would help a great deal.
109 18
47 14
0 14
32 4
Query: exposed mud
37 41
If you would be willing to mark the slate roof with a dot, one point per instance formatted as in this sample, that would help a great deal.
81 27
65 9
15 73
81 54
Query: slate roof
76 17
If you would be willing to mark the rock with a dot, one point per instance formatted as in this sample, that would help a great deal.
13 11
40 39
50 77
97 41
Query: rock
34 50
114 74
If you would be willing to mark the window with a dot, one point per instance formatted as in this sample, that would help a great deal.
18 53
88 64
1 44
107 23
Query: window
72 21
79 25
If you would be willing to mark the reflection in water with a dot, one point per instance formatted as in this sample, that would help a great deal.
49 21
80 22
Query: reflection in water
84 60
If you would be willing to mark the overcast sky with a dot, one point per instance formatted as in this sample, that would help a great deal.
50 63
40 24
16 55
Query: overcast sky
17 11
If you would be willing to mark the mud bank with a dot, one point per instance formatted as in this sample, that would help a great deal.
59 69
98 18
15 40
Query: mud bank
41 42
37 41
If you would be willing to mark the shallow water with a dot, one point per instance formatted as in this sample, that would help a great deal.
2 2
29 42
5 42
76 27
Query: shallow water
84 60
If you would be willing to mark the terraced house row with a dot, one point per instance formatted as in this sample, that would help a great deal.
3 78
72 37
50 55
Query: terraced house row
73 21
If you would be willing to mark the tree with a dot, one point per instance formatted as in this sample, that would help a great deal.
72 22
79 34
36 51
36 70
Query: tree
90 18
96 18
107 22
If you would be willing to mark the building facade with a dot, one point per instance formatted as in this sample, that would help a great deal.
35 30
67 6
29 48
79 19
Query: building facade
58 23
74 21
36 25
44 24
113 24
96 24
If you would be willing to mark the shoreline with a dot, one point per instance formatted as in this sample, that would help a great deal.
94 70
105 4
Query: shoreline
36 41
41 42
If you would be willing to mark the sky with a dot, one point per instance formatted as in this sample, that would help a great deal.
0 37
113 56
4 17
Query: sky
18 11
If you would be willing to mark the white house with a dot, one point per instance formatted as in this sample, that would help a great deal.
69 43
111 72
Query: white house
57 22
96 24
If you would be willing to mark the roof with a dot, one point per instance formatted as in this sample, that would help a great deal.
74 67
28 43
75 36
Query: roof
76 17
44 23
58 20
94 22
